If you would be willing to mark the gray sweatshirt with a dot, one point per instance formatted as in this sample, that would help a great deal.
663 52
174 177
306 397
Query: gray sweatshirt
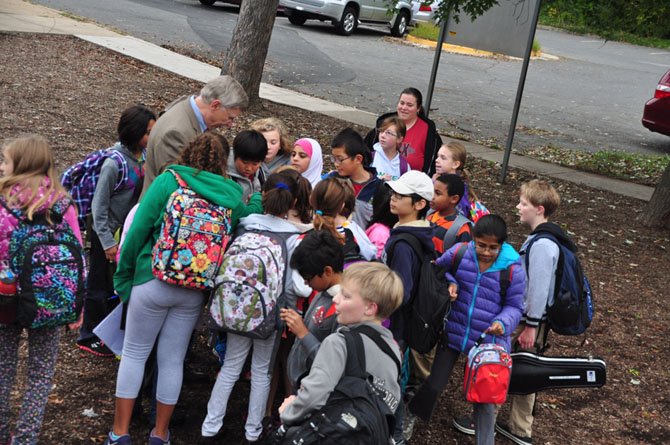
249 187
109 208
541 279
320 325
328 368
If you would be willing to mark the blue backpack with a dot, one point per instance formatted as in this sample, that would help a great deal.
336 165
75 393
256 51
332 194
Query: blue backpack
81 179
49 262
571 312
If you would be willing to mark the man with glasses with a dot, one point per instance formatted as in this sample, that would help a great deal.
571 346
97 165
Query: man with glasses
217 105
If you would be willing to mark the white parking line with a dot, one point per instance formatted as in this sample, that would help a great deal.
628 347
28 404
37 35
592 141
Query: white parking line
660 54
591 41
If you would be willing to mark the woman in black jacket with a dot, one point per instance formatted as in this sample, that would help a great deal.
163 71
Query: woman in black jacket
422 139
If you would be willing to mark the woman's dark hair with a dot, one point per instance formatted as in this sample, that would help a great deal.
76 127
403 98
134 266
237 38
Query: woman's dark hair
318 249
279 194
419 99
209 152
381 210
302 207
250 145
133 125
491 225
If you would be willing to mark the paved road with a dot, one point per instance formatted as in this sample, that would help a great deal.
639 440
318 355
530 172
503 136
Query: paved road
592 98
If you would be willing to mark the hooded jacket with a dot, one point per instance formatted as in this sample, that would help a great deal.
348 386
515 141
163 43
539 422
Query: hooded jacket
134 266
540 264
479 302
402 259
433 141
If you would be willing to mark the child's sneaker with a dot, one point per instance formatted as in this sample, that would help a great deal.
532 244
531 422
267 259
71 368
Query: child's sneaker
155 440
121 440
95 346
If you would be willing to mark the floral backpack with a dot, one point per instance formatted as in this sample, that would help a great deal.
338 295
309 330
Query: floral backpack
192 240
47 260
250 284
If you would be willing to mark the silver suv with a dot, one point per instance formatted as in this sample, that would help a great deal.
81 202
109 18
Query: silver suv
346 14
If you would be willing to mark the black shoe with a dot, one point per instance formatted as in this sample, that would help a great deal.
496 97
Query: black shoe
465 425
95 346
504 430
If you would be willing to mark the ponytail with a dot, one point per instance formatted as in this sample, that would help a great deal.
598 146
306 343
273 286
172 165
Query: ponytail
279 194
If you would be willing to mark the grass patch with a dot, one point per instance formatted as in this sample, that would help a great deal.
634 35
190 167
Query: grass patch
426 31
639 168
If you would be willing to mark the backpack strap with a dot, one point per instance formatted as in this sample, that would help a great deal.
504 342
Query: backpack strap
505 281
404 165
458 257
355 366
376 337
122 166
452 232
412 241
179 180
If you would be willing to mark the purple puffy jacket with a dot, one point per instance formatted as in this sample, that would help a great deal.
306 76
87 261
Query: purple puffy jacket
479 302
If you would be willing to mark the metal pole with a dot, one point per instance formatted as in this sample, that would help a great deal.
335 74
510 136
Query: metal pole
436 63
519 93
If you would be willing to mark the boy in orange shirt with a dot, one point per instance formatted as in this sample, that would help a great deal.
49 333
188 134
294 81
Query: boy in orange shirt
450 226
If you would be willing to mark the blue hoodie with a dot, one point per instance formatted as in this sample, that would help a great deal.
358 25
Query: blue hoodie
479 302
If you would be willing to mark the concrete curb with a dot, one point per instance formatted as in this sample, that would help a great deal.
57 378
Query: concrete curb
20 16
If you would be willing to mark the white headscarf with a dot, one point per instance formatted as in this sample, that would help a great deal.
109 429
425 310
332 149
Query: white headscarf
315 167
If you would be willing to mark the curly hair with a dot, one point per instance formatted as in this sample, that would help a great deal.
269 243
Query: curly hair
208 152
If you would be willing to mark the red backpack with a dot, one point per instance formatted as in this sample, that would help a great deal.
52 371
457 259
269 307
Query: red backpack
487 373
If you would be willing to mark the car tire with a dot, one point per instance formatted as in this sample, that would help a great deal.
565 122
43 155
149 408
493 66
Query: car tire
349 22
401 24
297 18
207 2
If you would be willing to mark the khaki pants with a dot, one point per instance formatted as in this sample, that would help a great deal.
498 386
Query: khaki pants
420 366
521 406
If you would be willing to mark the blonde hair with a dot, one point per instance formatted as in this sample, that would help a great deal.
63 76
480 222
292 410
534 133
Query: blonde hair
33 162
541 193
378 284
460 154
274 124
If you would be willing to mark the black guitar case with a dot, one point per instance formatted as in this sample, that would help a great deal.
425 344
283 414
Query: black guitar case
532 373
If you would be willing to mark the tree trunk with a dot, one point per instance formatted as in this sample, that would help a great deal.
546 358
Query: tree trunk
249 45
657 212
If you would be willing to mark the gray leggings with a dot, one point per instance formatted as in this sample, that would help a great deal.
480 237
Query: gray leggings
169 313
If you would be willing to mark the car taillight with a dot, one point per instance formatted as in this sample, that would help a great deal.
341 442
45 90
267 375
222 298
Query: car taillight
425 8
662 91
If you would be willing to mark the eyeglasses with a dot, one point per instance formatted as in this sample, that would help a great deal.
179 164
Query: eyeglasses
485 248
388 133
336 160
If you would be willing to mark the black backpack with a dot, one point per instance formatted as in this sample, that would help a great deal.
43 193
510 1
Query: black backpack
429 303
356 412
572 310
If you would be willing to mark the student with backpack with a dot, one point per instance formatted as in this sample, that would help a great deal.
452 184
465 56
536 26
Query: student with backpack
167 313
359 355
486 288
538 201
386 157
32 200
450 226
254 283
319 259
110 205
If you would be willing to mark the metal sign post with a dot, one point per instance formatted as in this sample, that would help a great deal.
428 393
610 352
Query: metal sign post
519 92
436 63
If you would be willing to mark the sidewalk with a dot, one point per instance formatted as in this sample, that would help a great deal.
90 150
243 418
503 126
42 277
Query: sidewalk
20 16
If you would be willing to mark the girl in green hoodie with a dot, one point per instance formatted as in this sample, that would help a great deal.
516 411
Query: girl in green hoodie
154 305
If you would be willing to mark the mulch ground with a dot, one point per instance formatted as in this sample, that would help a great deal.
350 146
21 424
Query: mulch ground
72 92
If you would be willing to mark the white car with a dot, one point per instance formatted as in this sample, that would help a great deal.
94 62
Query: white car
347 14
422 13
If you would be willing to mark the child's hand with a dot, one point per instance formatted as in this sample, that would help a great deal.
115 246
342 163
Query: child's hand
75 325
453 291
110 254
527 337
287 401
496 328
294 322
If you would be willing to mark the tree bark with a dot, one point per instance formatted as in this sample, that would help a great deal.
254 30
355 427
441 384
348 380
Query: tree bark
249 45
657 211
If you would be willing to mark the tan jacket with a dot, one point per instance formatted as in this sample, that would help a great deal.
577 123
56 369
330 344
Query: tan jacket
172 132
